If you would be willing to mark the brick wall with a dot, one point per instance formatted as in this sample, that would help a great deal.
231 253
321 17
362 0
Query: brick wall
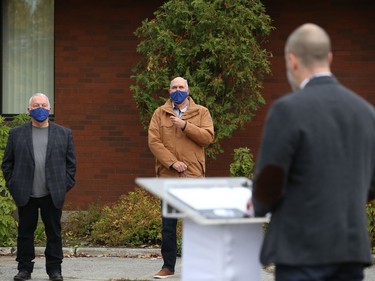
95 50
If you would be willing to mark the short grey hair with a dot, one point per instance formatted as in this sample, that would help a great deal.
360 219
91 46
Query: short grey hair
186 82
39 95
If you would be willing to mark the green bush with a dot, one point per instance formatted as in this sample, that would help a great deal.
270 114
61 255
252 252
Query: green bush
243 163
218 46
134 220
40 237
78 227
8 224
371 223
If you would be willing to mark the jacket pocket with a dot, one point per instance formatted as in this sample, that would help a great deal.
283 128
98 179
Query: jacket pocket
167 134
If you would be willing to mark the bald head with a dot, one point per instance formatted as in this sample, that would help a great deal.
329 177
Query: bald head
311 44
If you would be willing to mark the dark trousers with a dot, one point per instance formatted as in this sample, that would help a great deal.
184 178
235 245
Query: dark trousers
334 272
169 243
28 219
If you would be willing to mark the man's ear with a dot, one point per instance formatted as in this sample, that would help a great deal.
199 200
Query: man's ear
293 60
330 58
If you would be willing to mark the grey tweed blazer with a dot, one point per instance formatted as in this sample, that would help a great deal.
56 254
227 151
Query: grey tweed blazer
18 163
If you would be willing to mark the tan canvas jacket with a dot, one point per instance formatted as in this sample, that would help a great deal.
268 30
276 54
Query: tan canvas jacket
169 143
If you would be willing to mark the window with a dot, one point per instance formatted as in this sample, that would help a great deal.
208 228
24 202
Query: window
27 53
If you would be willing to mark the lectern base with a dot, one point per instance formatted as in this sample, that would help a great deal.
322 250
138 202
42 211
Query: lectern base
224 252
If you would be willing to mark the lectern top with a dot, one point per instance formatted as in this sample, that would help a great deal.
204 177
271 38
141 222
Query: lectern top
204 200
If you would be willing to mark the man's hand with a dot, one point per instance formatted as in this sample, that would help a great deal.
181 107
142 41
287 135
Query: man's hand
179 166
178 122
250 208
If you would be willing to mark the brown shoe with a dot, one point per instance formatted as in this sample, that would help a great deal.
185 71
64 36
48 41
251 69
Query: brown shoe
164 273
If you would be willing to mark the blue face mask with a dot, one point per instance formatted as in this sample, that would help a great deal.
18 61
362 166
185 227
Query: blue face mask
39 114
178 96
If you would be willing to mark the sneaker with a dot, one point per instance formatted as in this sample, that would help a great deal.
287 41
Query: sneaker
22 275
164 273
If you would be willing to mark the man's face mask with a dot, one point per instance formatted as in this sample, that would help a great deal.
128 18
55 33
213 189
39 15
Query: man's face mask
39 114
178 96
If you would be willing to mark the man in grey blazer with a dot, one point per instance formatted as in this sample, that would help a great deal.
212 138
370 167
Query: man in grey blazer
39 166
315 171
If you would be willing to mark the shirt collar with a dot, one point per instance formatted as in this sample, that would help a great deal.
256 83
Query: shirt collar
307 80
179 111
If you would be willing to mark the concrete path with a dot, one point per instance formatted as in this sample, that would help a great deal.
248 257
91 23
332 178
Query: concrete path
106 264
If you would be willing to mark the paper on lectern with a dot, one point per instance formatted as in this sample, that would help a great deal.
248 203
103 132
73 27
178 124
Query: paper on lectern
213 198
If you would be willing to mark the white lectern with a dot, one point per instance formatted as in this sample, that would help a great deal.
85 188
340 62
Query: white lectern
220 243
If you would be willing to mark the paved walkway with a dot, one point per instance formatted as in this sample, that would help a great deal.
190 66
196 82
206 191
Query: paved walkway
106 264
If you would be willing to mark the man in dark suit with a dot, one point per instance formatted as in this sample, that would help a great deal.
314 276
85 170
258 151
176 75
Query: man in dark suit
316 170
39 166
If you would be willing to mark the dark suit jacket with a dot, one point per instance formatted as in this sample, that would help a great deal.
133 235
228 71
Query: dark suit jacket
18 163
319 147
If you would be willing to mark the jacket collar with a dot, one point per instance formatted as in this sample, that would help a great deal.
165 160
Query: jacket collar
191 111
307 80
321 79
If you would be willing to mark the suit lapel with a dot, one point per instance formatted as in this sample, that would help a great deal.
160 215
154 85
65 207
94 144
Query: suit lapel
51 139
29 139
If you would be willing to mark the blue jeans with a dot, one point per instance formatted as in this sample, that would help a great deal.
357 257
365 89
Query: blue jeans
169 243
334 272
